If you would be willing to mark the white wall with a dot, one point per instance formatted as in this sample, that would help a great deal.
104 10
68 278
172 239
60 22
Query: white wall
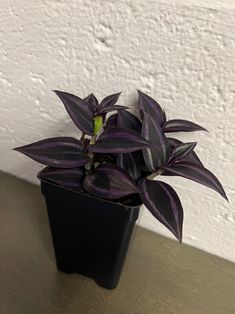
181 54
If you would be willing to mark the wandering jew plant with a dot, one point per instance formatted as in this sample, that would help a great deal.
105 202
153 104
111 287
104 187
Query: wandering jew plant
120 155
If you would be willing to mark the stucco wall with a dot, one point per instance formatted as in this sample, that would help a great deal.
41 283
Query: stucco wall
182 54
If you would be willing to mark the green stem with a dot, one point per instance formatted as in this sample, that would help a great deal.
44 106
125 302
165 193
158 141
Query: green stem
83 137
154 174
93 138
90 155
97 126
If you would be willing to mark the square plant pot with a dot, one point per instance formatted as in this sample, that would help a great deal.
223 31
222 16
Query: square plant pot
90 235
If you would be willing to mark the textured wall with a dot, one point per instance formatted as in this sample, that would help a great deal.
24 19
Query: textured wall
181 54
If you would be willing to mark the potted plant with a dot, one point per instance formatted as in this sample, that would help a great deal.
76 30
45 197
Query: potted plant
95 185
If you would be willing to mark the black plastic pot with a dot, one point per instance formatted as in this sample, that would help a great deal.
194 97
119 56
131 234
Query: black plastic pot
90 235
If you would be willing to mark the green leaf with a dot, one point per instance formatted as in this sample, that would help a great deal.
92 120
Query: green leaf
98 123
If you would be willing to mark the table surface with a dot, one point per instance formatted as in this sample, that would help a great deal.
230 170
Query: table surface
159 276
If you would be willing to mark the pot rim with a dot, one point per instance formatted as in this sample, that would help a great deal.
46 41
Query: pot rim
90 195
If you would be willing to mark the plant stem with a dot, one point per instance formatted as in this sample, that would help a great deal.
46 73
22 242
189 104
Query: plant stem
154 174
93 138
90 155
83 137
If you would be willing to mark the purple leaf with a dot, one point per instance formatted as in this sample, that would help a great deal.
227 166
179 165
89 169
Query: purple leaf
111 121
155 156
65 177
109 181
178 125
112 108
130 163
148 105
125 119
109 100
78 110
119 140
196 173
59 152
190 157
164 204
92 101
181 151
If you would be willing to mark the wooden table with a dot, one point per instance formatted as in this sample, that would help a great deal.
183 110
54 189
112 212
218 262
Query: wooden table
159 276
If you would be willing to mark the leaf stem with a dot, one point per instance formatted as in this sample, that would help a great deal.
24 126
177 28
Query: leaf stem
83 137
88 165
93 138
155 174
